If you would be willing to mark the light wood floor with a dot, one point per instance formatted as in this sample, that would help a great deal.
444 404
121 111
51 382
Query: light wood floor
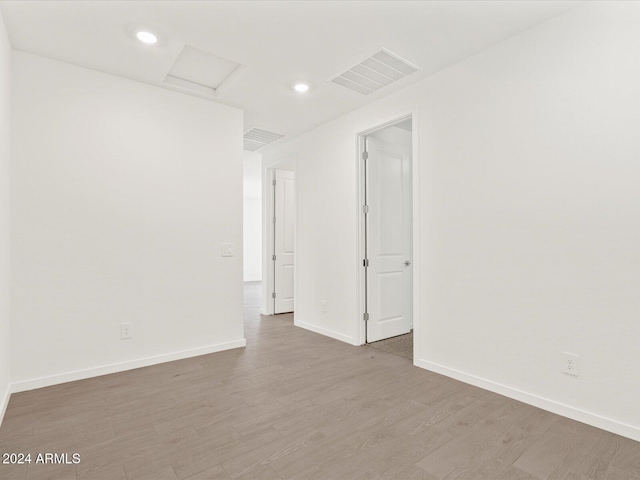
297 405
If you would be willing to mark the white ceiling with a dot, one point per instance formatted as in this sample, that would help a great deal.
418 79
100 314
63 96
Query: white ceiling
278 43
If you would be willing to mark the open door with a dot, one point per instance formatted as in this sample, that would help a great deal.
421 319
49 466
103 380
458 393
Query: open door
389 233
283 240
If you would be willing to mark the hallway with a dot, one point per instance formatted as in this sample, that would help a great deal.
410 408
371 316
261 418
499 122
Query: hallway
296 405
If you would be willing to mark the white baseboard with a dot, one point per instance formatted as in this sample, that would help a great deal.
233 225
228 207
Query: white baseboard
325 332
263 311
568 411
121 367
4 403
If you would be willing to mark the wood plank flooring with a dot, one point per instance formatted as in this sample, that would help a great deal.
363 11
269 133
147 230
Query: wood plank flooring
297 405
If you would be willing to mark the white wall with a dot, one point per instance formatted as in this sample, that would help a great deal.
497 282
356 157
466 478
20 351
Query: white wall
5 137
252 230
122 194
528 221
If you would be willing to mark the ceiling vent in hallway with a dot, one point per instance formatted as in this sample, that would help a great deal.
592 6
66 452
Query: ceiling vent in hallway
379 70
256 138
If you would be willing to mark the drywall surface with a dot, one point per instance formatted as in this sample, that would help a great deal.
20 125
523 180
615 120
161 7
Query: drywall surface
5 142
528 216
252 231
122 194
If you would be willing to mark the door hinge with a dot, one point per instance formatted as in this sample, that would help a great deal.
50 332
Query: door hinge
365 316
273 295
274 182
273 257
365 155
365 209
274 219
365 262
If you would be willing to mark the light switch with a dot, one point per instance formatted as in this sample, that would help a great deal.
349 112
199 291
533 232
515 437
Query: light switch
227 250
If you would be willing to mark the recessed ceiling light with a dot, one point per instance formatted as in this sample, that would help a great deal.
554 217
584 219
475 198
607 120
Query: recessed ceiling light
147 37
301 87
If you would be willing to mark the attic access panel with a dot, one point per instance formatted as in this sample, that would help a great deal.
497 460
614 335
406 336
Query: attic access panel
201 71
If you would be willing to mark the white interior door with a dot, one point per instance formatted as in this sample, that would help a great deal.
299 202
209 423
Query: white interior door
389 235
283 255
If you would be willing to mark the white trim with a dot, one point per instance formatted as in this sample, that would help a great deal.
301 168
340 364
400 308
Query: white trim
325 332
5 403
361 325
267 239
418 293
121 367
568 411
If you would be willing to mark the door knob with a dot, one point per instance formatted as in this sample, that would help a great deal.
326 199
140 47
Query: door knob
407 263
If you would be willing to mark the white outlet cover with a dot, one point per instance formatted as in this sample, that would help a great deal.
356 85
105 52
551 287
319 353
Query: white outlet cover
571 364
227 250
126 330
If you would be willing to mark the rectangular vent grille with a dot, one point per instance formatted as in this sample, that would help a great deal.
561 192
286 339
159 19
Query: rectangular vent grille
375 72
256 138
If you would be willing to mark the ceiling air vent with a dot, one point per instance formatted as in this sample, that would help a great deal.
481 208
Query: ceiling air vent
375 72
256 138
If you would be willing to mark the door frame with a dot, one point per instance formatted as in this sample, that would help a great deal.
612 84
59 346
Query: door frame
416 260
268 231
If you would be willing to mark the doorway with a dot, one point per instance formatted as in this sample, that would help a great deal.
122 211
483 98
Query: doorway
280 239
387 230
283 240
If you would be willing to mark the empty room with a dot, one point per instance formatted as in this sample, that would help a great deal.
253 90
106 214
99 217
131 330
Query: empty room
317 240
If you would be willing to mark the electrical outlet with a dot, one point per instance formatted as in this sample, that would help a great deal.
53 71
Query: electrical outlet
227 250
571 364
126 330
324 306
